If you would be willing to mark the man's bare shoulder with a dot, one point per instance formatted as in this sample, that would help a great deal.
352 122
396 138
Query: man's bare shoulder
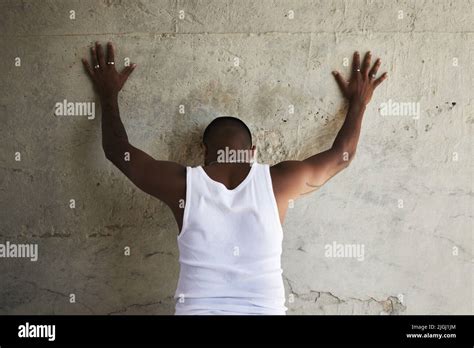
287 175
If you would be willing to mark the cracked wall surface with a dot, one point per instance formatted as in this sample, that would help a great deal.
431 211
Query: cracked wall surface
407 196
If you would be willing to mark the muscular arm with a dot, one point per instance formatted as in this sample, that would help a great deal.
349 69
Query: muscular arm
164 180
161 179
292 179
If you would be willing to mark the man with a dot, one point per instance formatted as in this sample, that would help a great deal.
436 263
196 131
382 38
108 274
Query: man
230 224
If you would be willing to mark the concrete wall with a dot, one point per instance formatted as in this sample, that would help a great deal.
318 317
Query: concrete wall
407 197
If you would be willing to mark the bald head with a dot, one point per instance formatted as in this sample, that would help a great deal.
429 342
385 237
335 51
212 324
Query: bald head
227 131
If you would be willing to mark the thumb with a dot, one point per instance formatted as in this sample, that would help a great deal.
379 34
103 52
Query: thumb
340 81
127 71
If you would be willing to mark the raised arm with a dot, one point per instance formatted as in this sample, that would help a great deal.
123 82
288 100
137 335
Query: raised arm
164 180
291 179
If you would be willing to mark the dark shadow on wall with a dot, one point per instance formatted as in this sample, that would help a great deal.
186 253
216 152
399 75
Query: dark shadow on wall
203 104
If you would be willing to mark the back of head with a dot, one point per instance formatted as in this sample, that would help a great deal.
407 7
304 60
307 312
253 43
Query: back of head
227 131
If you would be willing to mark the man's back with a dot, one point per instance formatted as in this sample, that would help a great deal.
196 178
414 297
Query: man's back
230 246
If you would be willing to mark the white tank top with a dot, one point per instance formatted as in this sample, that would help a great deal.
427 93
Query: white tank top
230 247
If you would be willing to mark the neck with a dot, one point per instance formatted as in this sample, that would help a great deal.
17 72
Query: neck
210 163
230 155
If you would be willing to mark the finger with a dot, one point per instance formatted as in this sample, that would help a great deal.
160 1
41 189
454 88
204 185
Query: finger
95 62
100 54
88 68
356 63
375 68
340 81
110 53
380 79
127 71
366 63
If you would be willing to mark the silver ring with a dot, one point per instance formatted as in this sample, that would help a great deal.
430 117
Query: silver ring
358 69
96 66
111 63
372 76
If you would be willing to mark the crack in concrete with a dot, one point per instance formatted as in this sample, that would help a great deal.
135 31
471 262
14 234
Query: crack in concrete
118 227
391 305
158 253
140 305
301 249
52 235
99 235
58 293
173 33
